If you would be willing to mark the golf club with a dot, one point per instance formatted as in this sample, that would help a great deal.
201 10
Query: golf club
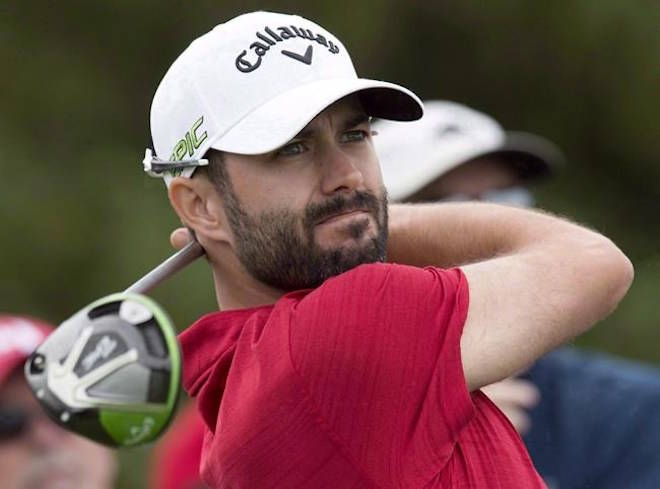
112 371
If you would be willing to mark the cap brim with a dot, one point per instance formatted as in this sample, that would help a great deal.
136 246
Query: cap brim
532 156
278 121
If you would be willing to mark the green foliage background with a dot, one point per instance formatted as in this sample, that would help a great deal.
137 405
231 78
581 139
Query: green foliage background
81 220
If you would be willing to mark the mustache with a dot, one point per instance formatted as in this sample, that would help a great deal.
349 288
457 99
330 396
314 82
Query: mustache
360 199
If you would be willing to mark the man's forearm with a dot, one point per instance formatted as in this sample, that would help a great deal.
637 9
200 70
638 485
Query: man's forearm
454 234
535 280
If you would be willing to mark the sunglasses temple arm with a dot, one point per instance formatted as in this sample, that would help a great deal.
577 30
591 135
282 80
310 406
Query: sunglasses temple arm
169 267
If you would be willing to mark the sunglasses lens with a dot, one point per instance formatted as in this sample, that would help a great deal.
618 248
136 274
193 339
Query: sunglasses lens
515 196
12 423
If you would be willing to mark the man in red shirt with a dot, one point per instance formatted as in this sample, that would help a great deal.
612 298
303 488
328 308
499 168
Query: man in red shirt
326 367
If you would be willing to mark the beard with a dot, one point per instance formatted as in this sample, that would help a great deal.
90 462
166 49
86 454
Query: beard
273 250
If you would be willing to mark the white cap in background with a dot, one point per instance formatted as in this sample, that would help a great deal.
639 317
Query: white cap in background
415 154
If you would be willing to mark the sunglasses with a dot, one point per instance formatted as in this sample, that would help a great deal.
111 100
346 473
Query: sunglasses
515 196
13 423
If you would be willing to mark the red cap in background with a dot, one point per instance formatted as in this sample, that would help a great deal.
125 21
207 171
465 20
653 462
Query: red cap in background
19 337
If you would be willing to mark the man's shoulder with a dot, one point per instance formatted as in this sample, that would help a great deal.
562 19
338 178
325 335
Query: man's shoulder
395 273
376 270
375 282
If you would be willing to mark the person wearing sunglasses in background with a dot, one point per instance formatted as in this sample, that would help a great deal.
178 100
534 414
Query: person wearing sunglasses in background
35 453
589 420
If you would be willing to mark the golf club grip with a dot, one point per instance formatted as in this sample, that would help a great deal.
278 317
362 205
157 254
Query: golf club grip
169 267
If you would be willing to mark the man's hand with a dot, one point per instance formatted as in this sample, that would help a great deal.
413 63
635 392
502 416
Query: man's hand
515 397
179 238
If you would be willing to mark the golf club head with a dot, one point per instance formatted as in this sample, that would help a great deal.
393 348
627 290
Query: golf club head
111 372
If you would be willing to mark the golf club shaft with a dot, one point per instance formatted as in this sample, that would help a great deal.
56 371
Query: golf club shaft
169 267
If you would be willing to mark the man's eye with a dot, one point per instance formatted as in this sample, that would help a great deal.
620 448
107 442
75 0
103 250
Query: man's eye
354 135
292 149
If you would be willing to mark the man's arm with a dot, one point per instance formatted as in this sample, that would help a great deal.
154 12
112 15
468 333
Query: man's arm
535 280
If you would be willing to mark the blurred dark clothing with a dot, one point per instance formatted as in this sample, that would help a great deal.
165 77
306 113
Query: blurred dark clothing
598 423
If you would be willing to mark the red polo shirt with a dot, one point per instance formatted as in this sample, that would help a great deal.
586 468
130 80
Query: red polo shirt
355 384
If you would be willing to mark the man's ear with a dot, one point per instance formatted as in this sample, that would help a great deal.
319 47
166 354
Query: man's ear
199 207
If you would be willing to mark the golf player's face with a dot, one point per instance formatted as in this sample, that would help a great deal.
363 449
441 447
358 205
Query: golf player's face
313 208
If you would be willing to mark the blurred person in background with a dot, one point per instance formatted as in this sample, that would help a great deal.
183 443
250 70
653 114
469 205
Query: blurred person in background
35 453
588 420
176 457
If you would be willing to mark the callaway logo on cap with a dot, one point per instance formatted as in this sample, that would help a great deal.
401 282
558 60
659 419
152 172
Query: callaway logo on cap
269 38
251 84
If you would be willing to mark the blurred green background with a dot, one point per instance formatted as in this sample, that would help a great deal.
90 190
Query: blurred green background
81 220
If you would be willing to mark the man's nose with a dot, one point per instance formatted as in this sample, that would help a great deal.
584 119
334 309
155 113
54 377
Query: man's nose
341 173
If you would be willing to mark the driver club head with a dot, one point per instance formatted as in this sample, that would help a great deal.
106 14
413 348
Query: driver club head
111 372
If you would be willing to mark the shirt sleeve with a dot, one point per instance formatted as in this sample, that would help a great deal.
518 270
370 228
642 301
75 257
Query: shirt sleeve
378 351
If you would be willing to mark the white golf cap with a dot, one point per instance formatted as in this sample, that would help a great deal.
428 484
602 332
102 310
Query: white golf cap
254 82
415 154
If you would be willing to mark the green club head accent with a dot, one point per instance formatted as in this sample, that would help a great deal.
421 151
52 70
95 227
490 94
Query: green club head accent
111 372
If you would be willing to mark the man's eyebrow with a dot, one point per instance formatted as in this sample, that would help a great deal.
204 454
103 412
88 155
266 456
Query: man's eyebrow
356 120
352 121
